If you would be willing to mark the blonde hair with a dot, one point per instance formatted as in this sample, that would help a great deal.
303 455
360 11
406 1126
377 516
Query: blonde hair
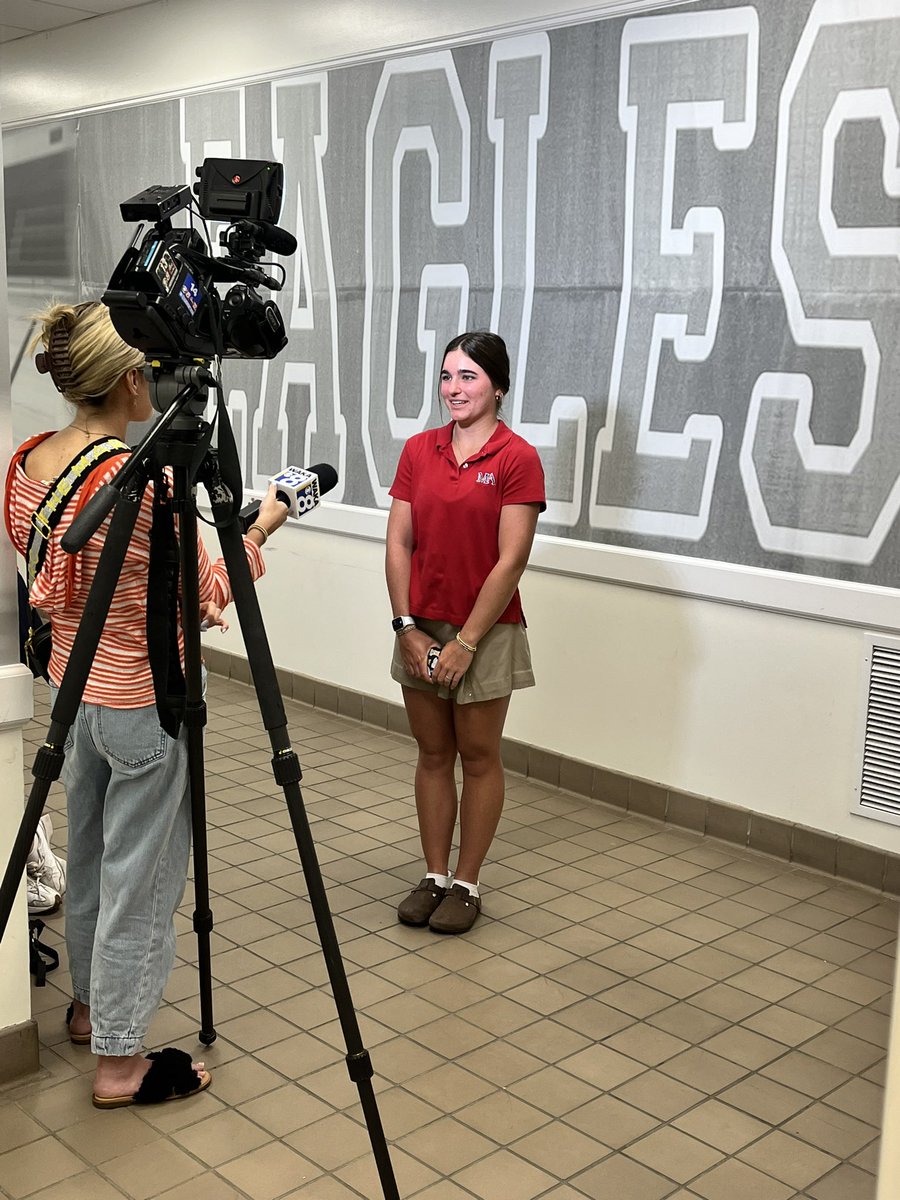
83 354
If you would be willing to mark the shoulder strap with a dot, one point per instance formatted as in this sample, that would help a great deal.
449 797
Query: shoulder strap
13 463
49 511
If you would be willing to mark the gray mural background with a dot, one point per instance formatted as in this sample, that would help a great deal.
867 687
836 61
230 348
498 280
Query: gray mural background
684 225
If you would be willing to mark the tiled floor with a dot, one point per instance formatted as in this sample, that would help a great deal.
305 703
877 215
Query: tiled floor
639 1014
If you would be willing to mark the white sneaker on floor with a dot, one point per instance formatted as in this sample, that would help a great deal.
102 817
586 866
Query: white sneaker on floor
42 864
41 898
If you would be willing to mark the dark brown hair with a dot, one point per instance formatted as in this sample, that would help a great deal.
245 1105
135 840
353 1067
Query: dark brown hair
488 350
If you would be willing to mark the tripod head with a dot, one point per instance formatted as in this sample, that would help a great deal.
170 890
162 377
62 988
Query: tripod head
183 382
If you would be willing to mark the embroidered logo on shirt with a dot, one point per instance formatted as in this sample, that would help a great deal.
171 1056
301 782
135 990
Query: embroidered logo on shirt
486 477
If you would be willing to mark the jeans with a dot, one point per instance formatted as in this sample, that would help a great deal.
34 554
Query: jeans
129 816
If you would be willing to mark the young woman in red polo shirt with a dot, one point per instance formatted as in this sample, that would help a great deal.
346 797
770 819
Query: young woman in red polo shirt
466 499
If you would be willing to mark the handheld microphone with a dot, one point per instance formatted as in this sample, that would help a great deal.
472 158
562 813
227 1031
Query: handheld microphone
300 489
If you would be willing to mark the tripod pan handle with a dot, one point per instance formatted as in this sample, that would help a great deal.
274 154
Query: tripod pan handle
89 519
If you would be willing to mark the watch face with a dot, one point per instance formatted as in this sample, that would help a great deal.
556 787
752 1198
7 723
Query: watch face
397 624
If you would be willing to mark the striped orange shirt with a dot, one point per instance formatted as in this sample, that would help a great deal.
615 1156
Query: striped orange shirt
120 676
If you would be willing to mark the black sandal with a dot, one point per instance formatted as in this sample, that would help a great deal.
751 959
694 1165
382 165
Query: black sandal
172 1076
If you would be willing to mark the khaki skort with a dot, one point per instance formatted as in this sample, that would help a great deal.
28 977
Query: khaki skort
501 665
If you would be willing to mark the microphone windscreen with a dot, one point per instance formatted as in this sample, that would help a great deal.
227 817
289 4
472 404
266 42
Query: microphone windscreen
327 476
276 239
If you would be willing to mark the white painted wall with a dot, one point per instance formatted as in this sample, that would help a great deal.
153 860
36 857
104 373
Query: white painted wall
755 708
738 701
15 710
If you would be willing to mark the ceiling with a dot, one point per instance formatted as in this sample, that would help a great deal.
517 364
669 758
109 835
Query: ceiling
22 18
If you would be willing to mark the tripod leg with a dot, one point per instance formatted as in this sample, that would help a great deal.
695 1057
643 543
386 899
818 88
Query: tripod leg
286 769
194 721
49 758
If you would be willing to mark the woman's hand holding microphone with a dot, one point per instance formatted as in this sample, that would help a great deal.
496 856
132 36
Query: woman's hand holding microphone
271 516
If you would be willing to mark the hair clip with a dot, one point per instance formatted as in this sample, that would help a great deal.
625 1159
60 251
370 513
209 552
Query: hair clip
55 361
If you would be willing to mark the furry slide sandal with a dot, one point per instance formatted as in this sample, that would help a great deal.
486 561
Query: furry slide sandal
77 1039
171 1076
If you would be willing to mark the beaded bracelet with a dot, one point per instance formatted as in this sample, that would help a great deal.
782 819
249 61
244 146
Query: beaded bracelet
465 645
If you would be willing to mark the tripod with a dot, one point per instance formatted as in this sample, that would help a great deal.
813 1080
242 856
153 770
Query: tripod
180 440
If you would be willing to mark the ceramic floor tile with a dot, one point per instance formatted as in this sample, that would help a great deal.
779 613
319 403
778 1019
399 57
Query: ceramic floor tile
151 1169
859 1098
764 1099
269 1171
500 1063
36 1165
548 1040
646 1044
333 1141
622 1176
687 1021
788 1159
832 1131
502 1175
808 1075
92 1141
18 1129
722 1126
557 1149
658 1095
844 1051
553 1091
781 1025
674 1154
89 1185
222 1137
699 1068
846 1182
737 1181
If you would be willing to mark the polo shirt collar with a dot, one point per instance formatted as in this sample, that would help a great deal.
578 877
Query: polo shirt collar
495 442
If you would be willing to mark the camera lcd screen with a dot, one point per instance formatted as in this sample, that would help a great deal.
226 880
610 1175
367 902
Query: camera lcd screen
190 294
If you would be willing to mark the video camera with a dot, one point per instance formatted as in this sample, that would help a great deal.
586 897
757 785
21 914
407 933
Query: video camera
162 297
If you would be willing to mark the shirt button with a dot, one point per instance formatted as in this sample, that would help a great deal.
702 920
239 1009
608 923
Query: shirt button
465 466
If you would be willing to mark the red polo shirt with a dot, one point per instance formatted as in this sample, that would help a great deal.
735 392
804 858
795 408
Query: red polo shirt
456 516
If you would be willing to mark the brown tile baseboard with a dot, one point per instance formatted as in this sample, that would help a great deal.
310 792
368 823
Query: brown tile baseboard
19 1051
784 840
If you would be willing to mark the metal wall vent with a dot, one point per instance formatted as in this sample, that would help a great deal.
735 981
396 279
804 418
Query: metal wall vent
879 776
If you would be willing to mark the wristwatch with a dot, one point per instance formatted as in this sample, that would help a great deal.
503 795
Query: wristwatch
400 624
